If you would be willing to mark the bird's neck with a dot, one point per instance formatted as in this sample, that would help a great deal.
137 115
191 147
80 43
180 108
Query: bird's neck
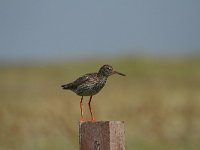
102 76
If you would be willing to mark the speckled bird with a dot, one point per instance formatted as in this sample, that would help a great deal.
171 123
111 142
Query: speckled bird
89 85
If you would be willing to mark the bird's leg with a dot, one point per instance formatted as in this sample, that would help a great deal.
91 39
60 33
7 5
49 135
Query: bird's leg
92 115
81 107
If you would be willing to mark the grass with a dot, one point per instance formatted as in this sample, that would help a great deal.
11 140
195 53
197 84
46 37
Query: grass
159 101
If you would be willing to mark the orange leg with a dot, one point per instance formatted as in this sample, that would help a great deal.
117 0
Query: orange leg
81 107
92 115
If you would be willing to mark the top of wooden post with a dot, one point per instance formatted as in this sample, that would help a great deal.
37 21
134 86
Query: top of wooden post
103 135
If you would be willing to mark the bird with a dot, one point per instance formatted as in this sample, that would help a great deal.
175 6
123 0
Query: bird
89 85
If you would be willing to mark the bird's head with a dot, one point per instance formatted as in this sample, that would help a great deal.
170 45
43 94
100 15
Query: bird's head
107 70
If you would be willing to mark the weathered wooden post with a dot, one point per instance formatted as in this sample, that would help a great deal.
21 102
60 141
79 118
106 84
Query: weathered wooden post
102 135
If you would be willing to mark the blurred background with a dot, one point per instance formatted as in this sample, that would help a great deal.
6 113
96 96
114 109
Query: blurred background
44 44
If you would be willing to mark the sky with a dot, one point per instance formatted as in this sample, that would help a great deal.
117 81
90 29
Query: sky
71 29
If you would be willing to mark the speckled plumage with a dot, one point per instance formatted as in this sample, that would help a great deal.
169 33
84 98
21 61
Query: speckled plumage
87 85
90 84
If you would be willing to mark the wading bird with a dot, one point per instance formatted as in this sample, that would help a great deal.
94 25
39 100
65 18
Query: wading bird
89 85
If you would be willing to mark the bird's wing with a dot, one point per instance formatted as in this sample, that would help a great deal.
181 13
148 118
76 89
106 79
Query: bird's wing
85 78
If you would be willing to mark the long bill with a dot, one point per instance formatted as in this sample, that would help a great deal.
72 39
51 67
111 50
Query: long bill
116 72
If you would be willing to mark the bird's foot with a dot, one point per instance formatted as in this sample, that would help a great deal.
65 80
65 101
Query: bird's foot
93 120
82 120
87 120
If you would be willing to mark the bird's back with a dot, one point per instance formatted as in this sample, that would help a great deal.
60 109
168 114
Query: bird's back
87 85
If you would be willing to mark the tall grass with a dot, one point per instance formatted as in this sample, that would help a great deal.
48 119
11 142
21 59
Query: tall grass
159 101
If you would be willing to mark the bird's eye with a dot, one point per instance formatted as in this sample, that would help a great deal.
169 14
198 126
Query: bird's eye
109 68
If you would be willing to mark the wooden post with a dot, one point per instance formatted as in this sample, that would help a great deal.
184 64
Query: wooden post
102 135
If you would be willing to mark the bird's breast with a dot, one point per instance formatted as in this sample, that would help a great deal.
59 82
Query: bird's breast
90 88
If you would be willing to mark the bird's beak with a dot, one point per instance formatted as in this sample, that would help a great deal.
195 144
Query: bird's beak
116 72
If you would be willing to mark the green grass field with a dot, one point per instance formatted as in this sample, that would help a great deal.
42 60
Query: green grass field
159 100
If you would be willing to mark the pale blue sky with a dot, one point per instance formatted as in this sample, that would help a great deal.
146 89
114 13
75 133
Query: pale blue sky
73 29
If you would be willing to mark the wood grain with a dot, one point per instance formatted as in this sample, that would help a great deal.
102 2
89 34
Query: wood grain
102 135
